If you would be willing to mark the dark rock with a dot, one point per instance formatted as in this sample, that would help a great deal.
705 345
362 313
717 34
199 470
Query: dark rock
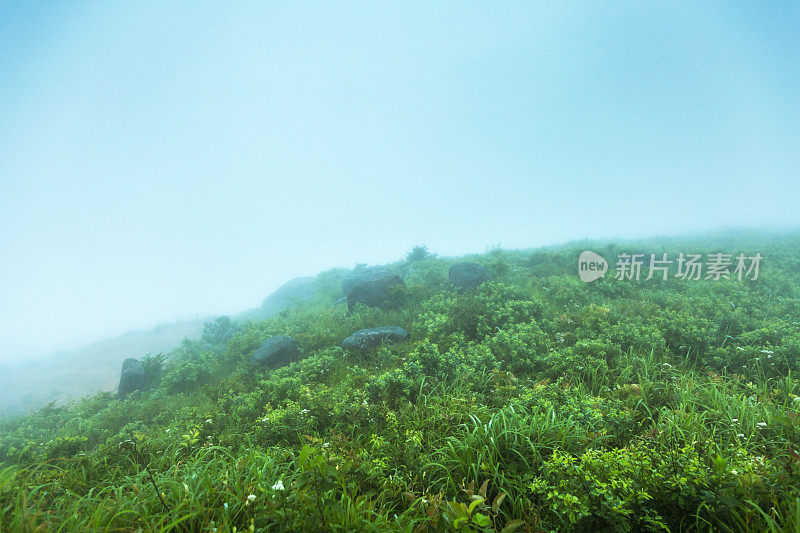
372 288
367 339
357 276
132 378
277 351
295 291
469 275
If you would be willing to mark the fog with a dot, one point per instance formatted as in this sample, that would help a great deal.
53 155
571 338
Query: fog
168 161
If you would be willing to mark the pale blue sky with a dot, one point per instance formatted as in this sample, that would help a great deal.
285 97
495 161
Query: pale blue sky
163 160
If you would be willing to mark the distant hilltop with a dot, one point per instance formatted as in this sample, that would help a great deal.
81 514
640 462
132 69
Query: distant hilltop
70 375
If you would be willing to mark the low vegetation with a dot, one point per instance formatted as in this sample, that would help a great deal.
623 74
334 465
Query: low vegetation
535 402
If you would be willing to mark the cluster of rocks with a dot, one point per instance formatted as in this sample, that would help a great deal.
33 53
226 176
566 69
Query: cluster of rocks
373 287
284 349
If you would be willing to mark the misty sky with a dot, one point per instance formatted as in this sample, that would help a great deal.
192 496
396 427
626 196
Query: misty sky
164 160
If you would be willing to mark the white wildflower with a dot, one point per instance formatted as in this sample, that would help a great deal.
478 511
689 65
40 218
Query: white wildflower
740 435
767 351
734 472
761 424
304 411
250 499
734 420
278 485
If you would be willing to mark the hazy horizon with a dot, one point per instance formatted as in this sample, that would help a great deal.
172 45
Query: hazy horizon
122 329
164 161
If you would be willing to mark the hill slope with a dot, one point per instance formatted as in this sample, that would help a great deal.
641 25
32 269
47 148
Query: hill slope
535 402
70 375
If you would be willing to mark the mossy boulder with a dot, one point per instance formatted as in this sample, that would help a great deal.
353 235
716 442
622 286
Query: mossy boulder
277 351
468 275
367 339
132 378
362 274
373 288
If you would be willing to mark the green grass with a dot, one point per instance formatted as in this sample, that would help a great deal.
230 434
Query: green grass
534 403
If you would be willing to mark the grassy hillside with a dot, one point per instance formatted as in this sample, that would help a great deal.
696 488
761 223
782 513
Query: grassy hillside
535 402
